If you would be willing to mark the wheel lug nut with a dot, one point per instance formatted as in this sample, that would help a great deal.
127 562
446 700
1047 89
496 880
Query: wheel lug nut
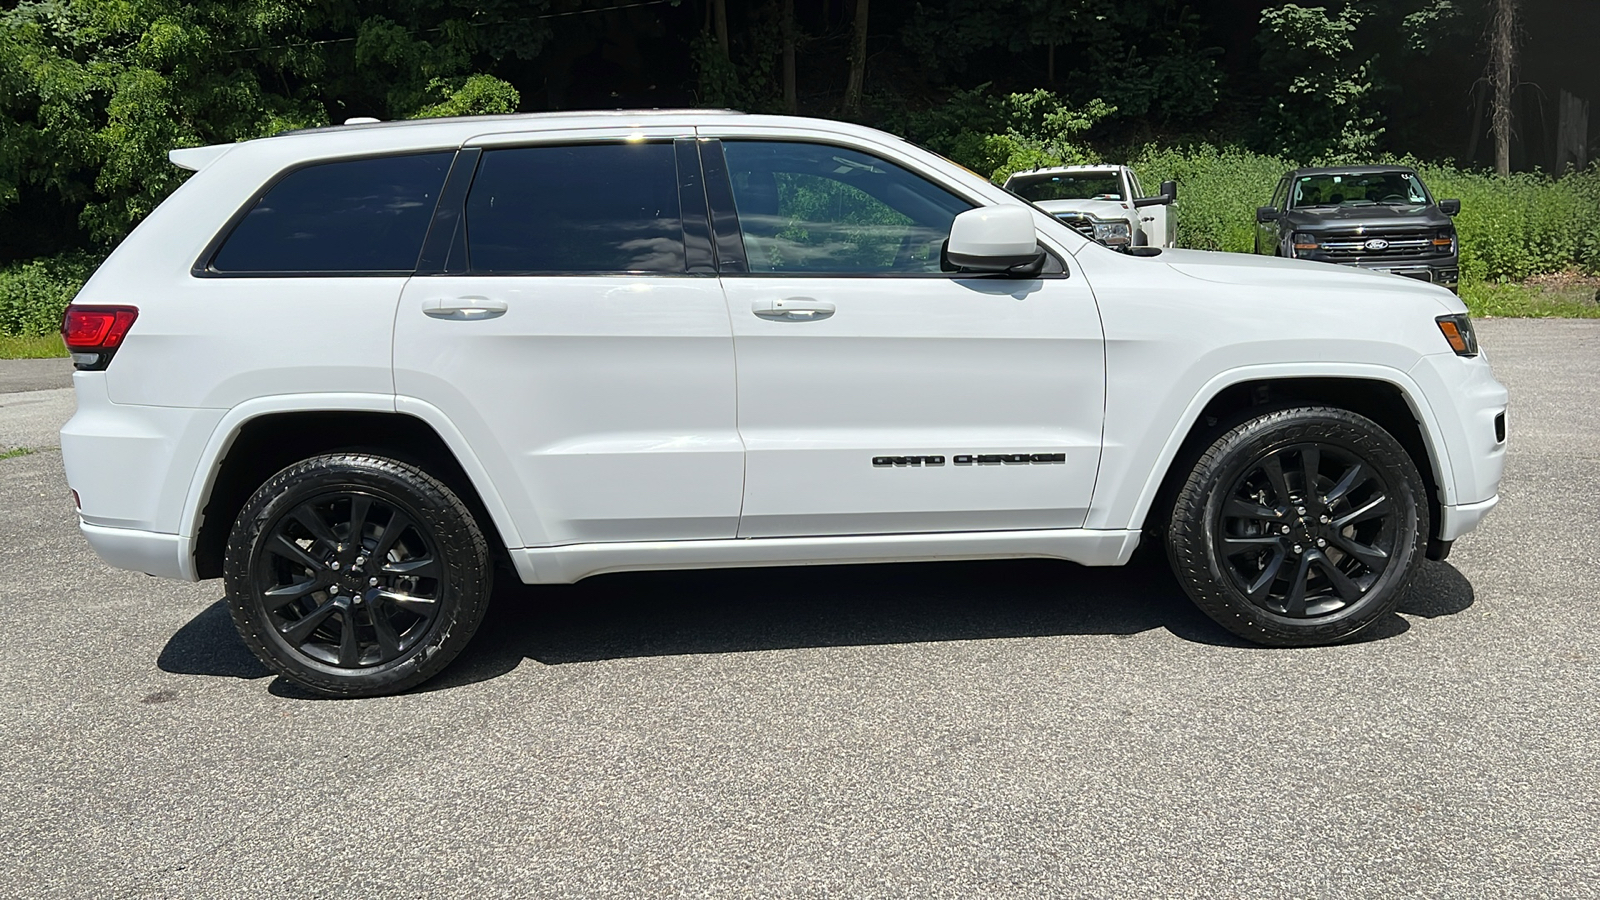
1285 529
1325 520
334 589
1297 548
335 565
358 599
1321 542
1301 510
372 581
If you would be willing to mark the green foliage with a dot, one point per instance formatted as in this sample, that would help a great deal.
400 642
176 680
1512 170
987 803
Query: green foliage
46 346
1147 60
93 93
1531 301
1524 225
998 135
477 95
33 294
1324 107
1218 191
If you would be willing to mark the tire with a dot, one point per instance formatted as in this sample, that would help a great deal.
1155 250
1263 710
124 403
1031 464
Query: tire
313 607
1244 534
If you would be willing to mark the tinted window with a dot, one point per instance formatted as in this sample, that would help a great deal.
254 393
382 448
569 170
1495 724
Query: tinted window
364 215
592 208
812 208
1076 186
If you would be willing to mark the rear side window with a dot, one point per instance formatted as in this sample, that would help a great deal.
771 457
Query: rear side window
587 208
355 216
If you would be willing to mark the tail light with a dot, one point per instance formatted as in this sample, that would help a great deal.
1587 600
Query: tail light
93 333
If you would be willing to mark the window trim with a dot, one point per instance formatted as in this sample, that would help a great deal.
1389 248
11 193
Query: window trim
202 267
727 232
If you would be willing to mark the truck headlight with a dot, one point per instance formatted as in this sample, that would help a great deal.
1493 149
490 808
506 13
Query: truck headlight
1304 244
1445 241
1113 234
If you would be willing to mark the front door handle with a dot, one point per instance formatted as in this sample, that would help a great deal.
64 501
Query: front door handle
464 309
792 309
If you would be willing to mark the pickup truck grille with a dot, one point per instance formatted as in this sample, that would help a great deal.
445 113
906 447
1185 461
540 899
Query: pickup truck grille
1079 223
1378 246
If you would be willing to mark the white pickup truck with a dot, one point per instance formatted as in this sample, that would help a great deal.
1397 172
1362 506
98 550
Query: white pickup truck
1103 203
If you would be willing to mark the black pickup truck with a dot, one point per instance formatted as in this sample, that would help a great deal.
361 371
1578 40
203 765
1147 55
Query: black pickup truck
1376 217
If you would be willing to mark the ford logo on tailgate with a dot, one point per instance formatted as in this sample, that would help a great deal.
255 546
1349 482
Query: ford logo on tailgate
1376 244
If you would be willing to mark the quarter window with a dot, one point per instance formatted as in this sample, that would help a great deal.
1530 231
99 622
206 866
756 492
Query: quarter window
354 216
817 209
585 208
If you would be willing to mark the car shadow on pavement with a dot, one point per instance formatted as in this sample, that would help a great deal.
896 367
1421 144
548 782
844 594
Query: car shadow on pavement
642 614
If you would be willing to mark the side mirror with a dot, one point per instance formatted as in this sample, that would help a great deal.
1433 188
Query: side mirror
1169 193
1450 207
995 239
1265 214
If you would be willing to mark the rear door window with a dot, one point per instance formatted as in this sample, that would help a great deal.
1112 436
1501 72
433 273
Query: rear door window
360 216
594 208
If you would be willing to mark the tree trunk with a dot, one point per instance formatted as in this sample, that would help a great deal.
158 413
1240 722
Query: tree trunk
791 101
1503 33
720 16
858 63
1478 93
1572 134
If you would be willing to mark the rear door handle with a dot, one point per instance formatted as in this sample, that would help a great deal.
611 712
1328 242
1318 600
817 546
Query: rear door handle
464 309
792 309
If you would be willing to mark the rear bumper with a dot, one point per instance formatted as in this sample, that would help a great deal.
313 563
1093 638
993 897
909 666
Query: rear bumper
162 555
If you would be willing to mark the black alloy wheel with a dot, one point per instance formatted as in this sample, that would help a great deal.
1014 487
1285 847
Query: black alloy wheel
1299 526
356 575
349 579
1306 530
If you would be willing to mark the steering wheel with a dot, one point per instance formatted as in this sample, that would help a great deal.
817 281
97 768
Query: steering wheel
1400 197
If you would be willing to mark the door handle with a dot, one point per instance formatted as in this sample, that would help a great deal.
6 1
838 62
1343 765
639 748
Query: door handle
792 309
464 309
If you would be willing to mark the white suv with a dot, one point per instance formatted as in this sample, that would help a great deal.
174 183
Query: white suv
351 369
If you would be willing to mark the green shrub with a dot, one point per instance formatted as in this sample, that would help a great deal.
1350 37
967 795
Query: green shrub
1218 192
33 293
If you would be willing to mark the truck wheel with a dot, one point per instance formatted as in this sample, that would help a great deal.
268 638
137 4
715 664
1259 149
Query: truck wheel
1299 527
356 575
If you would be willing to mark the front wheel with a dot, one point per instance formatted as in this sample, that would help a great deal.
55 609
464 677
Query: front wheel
356 575
1298 527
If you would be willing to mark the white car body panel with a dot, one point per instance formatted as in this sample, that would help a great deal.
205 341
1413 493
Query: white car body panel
920 366
753 442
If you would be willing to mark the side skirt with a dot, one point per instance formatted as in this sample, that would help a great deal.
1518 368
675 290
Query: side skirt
572 562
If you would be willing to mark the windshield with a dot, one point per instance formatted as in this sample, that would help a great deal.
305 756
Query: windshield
1057 186
1378 189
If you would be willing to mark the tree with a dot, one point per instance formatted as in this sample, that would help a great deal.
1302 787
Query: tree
858 62
1503 38
1323 85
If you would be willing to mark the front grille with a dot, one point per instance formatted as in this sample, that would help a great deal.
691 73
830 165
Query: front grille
1079 223
1410 245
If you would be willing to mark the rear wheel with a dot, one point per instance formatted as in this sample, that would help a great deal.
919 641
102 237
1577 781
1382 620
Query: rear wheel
1301 526
356 575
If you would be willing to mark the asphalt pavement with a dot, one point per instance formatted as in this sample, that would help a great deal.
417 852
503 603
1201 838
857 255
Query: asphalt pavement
986 730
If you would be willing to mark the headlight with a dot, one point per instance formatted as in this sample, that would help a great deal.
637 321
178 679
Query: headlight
1304 244
1113 234
1457 330
1445 241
